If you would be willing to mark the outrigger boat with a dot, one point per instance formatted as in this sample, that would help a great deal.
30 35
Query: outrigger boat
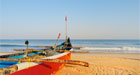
38 62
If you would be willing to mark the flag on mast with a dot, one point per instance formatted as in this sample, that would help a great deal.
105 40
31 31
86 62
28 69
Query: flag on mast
65 18
66 28
59 35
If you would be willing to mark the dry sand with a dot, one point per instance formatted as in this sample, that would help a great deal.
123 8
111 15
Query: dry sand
104 64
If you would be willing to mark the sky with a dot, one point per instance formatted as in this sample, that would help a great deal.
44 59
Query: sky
87 19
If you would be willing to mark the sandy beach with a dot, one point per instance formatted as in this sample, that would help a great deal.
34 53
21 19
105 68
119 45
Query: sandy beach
104 64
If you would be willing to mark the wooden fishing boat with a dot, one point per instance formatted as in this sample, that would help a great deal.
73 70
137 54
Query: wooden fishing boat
35 68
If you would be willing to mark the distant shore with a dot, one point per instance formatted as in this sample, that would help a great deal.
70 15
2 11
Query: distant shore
104 64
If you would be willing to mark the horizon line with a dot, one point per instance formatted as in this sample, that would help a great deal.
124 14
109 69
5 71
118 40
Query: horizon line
71 39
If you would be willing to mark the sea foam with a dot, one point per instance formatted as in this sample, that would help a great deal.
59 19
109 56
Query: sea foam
117 48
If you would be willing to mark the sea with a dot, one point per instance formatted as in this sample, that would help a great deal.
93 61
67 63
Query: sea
115 46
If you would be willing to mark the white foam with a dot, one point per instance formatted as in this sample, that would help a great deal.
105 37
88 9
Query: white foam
117 48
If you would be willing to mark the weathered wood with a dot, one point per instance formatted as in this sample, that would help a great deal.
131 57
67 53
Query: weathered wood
74 62
56 50
65 47
28 50
44 46
10 55
56 42
8 70
80 51
74 47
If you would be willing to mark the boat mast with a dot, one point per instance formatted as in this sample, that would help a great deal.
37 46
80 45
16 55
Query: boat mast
66 28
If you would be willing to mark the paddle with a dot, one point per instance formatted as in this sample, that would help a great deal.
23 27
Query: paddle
74 62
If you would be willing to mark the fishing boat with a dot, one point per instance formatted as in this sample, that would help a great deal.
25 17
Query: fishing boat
35 68
45 61
38 62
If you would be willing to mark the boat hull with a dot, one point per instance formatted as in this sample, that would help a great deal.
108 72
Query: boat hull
44 68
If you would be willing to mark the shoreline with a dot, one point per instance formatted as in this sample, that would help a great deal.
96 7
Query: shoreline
111 54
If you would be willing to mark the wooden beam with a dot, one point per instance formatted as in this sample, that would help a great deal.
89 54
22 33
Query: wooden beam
46 50
65 47
74 62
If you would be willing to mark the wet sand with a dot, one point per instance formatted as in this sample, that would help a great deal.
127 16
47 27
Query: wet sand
104 64
5 53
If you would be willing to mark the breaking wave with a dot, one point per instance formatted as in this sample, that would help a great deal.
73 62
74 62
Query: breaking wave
117 48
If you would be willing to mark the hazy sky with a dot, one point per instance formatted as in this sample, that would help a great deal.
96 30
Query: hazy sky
87 19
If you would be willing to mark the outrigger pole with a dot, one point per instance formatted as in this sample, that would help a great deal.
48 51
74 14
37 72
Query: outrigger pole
74 62
66 28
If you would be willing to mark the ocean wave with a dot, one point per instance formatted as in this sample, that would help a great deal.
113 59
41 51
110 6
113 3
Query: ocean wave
14 45
117 48
8 45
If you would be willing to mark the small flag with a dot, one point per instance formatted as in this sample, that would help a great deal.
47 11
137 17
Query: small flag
59 35
65 18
